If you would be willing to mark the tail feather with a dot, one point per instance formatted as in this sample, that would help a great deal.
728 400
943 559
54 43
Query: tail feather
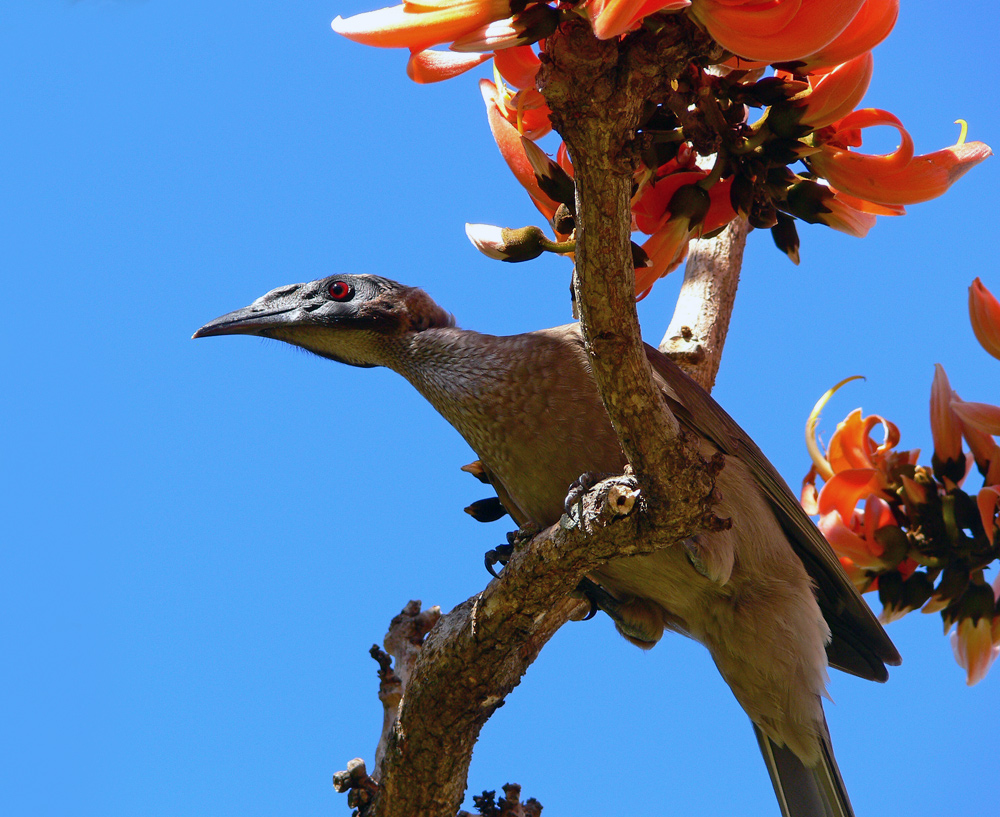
802 791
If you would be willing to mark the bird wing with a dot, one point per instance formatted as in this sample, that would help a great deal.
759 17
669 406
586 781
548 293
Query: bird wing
859 645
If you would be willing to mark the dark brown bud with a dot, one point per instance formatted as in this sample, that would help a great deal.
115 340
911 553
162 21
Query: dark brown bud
786 237
691 201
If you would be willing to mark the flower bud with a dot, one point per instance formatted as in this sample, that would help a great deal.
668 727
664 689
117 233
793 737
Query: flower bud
552 179
786 237
691 202
505 244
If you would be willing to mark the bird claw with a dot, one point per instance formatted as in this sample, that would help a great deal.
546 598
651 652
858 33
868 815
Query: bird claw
524 534
579 487
499 555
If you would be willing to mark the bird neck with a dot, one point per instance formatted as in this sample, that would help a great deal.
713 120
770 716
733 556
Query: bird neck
455 369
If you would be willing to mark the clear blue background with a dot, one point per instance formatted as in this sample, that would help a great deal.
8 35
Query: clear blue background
203 539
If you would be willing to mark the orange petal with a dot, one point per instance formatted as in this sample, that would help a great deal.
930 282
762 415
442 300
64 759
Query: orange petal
836 94
847 544
612 18
518 65
982 416
666 248
851 445
988 502
946 427
846 489
893 178
877 515
508 139
434 66
775 30
846 217
869 27
869 206
984 312
419 26
720 207
649 207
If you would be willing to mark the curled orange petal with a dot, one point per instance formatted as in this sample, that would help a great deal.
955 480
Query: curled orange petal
852 446
898 177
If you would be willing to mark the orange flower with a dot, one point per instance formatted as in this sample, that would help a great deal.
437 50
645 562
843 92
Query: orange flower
893 178
671 232
869 27
508 139
855 466
984 311
775 30
984 449
420 25
434 66
856 540
612 18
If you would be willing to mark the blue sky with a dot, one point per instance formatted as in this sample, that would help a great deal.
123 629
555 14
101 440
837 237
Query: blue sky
206 537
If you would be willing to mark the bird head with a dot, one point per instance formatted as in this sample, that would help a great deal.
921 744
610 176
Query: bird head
353 319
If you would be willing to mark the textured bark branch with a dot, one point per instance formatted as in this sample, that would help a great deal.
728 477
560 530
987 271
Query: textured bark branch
597 91
697 332
476 654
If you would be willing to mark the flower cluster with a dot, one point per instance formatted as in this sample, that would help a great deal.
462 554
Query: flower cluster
805 64
911 531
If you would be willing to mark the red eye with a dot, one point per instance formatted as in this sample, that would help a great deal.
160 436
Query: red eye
340 290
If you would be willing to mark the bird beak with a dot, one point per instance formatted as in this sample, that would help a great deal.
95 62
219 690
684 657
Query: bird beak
251 320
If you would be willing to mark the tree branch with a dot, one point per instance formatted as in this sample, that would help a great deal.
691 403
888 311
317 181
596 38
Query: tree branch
476 654
697 332
597 90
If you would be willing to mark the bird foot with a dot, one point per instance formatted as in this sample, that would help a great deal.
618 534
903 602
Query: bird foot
580 486
637 620
501 554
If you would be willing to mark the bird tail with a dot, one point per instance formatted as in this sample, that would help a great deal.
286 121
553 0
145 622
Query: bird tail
804 791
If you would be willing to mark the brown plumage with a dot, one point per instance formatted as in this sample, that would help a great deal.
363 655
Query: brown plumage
767 597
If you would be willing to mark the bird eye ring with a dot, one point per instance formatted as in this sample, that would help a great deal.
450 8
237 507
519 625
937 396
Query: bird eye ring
340 291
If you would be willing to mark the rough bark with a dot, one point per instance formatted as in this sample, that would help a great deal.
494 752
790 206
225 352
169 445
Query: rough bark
697 332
